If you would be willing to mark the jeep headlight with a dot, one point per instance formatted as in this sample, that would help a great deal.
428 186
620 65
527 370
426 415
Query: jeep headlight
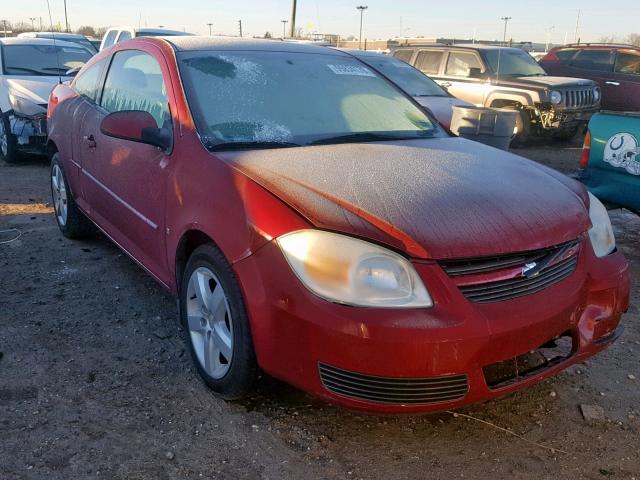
25 107
555 97
597 94
601 232
346 270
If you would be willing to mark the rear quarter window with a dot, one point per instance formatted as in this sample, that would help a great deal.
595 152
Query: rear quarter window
628 62
428 61
566 55
110 38
404 55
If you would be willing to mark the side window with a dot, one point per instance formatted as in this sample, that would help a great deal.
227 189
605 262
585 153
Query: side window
628 62
565 55
110 38
428 61
86 83
460 64
134 82
404 55
598 60
124 35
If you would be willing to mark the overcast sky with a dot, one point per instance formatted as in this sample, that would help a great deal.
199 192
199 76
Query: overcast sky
383 19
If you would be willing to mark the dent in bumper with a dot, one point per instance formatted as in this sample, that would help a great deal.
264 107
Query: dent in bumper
29 132
294 331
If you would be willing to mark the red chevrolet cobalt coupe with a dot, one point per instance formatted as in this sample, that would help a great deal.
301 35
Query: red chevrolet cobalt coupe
317 225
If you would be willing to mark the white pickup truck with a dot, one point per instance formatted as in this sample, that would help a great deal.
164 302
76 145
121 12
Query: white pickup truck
120 34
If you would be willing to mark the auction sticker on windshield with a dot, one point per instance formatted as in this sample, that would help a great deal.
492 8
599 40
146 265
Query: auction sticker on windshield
351 70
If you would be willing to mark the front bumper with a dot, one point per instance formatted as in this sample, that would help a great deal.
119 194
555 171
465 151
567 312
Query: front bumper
563 120
30 133
296 333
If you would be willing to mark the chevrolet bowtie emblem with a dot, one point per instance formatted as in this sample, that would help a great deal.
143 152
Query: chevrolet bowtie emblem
527 268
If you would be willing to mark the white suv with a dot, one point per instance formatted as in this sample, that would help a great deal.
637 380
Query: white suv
120 34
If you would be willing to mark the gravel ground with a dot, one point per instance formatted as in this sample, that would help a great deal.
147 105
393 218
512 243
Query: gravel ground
96 382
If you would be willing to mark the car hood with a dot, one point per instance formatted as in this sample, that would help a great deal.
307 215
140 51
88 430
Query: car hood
442 107
548 81
36 89
435 198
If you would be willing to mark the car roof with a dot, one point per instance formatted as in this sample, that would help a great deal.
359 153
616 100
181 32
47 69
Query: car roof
467 46
607 46
50 34
364 53
37 41
158 30
195 43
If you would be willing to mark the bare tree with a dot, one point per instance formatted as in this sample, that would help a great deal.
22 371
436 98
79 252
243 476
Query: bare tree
87 31
607 39
268 35
634 39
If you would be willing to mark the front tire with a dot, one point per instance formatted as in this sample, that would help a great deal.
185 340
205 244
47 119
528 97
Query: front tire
8 147
523 127
214 316
71 221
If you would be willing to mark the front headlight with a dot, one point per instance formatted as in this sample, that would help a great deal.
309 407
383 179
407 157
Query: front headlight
555 97
25 107
601 233
346 270
596 94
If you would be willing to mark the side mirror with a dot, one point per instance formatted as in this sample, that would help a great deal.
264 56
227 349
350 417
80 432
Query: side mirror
136 126
475 72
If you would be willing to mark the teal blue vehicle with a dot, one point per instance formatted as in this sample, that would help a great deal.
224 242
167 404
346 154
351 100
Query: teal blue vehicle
610 163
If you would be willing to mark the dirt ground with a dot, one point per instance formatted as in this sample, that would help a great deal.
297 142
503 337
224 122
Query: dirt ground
96 382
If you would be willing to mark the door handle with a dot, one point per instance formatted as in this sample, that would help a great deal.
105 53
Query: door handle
90 141
615 84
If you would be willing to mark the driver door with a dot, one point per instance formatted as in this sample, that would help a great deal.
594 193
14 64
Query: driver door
126 181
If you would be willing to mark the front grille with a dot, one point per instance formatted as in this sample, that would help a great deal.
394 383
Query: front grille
579 98
393 390
513 288
553 265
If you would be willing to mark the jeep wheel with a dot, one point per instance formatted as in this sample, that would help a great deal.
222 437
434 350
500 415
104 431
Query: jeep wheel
523 127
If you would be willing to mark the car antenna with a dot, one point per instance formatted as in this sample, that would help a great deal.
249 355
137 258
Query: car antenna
55 47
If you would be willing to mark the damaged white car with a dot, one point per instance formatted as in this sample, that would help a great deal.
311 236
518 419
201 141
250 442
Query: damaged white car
29 69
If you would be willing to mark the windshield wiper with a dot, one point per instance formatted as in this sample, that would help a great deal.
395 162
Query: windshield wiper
214 147
367 137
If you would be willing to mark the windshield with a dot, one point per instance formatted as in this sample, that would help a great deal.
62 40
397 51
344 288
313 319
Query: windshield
42 59
513 63
412 81
290 99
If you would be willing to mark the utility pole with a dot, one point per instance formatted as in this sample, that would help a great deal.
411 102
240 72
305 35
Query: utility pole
577 26
504 36
284 28
40 23
4 23
66 20
33 25
240 27
292 26
210 28
362 8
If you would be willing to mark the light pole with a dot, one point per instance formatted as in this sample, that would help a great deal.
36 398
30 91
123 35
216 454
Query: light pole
504 36
240 27
210 28
66 21
362 8
33 25
292 27
549 37
284 28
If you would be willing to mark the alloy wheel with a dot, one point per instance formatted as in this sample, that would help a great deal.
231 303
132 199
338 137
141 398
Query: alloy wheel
59 190
209 322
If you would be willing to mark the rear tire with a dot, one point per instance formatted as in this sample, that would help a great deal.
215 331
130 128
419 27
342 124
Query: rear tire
213 313
8 144
71 221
